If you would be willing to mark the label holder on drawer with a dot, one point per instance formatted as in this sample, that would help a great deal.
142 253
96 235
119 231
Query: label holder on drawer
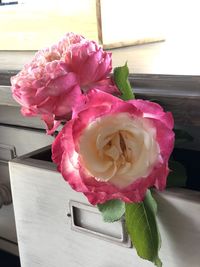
88 220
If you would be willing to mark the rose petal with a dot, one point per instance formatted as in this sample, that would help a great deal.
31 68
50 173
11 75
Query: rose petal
62 84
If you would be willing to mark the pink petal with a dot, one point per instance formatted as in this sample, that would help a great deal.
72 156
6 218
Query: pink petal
28 112
61 84
65 102
154 110
165 138
50 122
66 159
107 85
96 67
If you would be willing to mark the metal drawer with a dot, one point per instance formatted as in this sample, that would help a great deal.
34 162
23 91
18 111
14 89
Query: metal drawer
57 227
14 141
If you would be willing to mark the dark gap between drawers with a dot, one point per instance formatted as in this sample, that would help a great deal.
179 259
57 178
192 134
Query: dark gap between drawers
189 158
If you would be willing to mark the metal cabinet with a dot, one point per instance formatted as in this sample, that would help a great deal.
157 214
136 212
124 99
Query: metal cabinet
57 227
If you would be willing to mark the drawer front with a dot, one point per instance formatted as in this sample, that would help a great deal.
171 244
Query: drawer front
13 142
57 227
23 140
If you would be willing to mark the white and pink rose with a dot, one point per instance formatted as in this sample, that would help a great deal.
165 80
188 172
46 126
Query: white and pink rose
112 149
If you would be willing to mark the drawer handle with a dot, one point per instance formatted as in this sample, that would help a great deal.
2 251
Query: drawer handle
88 220
7 152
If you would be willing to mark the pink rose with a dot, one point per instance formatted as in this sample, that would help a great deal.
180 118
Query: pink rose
46 86
51 84
112 149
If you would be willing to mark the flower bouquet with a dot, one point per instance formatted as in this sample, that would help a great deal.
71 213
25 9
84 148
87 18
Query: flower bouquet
108 145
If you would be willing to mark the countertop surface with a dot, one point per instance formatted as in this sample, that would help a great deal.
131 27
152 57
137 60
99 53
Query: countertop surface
175 57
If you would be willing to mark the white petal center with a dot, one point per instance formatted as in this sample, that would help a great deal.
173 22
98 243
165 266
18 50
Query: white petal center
119 149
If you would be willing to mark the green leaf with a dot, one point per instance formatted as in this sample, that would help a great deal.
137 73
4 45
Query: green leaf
143 230
122 82
182 136
112 210
178 176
